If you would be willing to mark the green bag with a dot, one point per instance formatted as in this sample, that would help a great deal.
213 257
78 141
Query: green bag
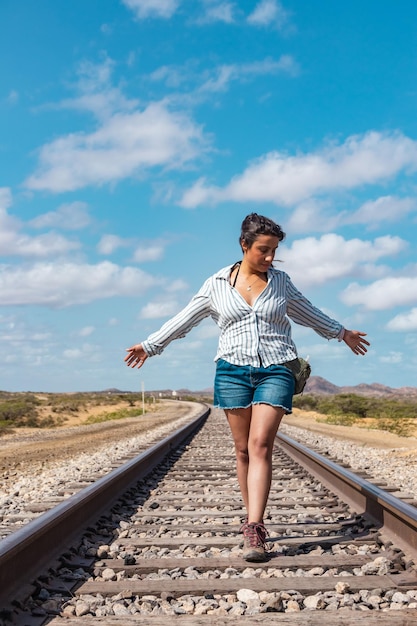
301 370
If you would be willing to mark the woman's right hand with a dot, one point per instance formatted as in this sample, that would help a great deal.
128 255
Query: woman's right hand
356 342
136 356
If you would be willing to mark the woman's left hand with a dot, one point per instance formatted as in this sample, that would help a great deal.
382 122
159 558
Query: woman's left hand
356 342
136 356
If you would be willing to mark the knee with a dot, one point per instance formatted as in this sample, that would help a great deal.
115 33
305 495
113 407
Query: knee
242 454
260 448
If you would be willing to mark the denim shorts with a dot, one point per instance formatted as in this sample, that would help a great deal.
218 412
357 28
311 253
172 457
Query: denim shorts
240 386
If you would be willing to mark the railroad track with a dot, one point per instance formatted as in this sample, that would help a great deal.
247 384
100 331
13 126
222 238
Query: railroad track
170 546
85 468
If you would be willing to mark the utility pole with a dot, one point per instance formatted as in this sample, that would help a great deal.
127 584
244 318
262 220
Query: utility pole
143 398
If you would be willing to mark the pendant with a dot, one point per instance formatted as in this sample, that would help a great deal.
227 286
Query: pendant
249 288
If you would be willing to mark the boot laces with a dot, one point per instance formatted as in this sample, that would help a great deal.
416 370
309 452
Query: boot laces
256 534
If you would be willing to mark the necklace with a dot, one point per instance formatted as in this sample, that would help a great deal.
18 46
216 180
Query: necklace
249 287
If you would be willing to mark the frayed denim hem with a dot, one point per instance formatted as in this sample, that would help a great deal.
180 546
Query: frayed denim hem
232 408
278 406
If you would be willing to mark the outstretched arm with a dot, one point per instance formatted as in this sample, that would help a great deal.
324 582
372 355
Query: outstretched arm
356 342
136 356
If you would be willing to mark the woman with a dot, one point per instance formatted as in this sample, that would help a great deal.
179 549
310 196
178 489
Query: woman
251 302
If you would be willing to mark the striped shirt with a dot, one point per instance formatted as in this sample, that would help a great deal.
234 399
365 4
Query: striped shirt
257 335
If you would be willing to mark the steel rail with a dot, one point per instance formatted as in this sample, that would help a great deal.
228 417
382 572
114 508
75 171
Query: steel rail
396 519
25 553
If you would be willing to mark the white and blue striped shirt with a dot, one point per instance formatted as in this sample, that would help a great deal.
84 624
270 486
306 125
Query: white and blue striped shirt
249 335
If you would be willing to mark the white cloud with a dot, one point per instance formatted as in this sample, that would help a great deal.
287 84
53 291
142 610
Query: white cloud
93 77
110 243
314 261
87 352
145 250
225 74
72 353
12 97
152 8
286 180
62 284
71 216
220 82
21 343
47 245
269 12
13 242
123 146
86 331
312 215
106 29
155 310
131 58
219 78
318 215
149 252
385 293
404 321
222 12
218 12
5 198
171 75
95 93
392 358
176 285
383 209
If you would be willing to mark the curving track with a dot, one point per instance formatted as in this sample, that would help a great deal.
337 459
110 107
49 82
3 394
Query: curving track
169 547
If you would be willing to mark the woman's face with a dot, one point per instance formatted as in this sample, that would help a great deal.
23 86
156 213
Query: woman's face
262 252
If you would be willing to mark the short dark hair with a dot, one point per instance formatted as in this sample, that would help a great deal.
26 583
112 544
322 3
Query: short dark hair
254 225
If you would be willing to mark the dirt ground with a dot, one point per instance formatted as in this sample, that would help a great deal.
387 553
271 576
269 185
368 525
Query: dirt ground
358 435
29 445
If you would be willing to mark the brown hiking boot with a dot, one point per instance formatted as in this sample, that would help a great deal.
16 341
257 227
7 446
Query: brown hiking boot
254 542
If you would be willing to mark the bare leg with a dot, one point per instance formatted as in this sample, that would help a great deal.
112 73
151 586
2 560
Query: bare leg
264 425
253 430
239 422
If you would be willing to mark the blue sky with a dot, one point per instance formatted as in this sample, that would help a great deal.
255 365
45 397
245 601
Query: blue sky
137 134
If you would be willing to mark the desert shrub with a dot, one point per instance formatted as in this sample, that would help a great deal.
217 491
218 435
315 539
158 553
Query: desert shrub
66 403
18 410
395 415
340 420
401 426
306 402
5 428
50 421
337 405
114 415
345 404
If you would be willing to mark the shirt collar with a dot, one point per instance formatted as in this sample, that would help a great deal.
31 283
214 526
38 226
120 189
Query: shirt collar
224 273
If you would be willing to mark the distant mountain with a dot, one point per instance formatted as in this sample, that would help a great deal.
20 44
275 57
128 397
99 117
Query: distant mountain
315 385
321 386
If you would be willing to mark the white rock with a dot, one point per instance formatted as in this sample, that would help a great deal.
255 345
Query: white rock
292 607
400 597
119 609
82 608
68 611
314 602
247 595
108 574
102 551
